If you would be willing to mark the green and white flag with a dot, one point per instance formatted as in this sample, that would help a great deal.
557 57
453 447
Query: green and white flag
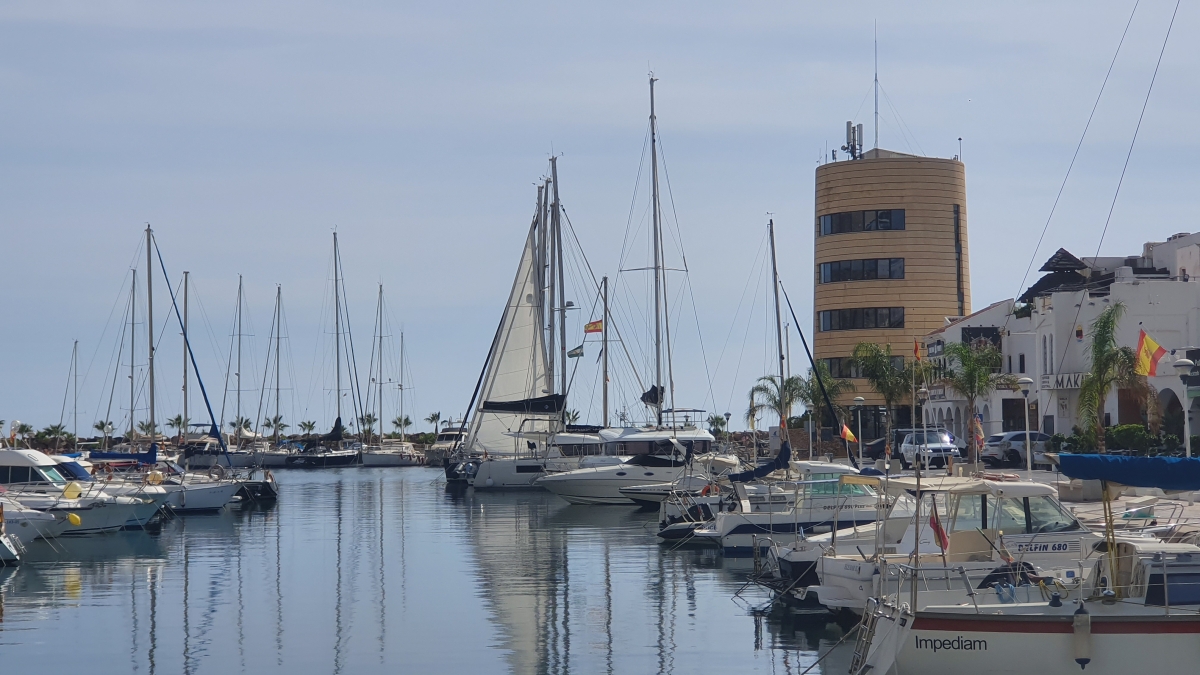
575 353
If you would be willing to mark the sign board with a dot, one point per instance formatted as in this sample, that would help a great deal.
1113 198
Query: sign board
774 442
1062 381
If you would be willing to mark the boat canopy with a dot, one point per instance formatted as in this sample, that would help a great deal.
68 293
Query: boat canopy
1166 473
971 486
780 462
807 466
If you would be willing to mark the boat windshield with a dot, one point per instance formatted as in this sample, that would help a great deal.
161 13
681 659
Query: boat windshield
51 473
1024 515
73 471
652 460
828 485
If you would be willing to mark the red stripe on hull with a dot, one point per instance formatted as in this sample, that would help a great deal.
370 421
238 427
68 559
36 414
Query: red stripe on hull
976 623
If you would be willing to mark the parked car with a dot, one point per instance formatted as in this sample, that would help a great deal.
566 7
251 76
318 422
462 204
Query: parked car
873 450
1008 449
935 447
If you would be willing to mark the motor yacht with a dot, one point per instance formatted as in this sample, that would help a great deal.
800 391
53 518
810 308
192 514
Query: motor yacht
25 524
391 453
33 479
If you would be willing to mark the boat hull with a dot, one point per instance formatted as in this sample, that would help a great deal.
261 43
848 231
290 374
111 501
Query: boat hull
384 459
322 460
197 497
602 486
507 474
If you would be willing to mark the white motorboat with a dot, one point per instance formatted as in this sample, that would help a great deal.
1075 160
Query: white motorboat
1136 612
657 456
982 522
562 452
25 524
33 479
392 453
10 549
154 497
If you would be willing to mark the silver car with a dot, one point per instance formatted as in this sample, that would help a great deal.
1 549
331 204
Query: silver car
1008 448
936 450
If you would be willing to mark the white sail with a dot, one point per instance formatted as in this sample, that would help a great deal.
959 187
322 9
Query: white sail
517 369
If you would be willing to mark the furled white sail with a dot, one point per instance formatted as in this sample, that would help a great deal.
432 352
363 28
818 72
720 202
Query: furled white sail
517 368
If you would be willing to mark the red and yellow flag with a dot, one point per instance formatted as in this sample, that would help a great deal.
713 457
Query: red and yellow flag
594 327
1149 353
847 434
917 350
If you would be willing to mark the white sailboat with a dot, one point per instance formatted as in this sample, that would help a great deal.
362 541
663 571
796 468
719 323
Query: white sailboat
387 451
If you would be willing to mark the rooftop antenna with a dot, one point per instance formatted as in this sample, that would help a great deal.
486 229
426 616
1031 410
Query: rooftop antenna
877 84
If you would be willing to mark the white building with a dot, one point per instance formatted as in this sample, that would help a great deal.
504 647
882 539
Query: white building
1048 342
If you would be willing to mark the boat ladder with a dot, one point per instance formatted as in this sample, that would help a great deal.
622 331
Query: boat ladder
866 633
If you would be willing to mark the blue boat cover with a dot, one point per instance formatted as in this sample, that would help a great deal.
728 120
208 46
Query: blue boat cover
148 457
1166 473
781 461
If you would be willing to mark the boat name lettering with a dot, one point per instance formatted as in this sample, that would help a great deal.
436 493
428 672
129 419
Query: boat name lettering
1042 548
853 567
959 643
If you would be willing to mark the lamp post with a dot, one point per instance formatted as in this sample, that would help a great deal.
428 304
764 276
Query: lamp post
728 431
923 396
858 406
1026 384
1183 367
887 441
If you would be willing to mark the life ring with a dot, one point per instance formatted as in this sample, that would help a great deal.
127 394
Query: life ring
710 489
217 469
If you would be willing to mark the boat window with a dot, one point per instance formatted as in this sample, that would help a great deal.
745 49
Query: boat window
1047 515
1007 515
1183 589
652 461
51 474
968 512
19 474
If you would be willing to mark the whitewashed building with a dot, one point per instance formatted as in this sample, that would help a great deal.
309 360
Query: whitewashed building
1048 341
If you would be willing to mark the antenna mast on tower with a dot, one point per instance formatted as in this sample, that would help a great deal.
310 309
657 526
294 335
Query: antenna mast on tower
876 84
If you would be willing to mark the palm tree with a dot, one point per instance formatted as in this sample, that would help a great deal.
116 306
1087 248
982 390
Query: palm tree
23 430
367 422
147 429
56 433
1112 365
307 427
103 426
178 422
974 372
716 423
891 377
814 400
571 416
402 423
275 424
433 419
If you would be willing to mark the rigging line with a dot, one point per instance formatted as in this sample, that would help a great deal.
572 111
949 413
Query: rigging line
266 370
116 303
900 120
755 270
229 364
687 277
112 391
633 202
67 388
1078 146
1125 166
745 338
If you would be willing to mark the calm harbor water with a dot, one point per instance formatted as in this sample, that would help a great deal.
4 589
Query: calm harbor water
374 571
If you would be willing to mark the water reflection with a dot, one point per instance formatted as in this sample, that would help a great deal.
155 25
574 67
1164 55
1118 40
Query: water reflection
364 571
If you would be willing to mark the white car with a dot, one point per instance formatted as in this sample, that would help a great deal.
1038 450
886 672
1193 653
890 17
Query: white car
1008 448
939 449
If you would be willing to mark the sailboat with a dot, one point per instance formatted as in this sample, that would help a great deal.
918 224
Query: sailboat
658 453
388 451
330 450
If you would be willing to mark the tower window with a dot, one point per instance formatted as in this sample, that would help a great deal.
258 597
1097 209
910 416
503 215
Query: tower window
861 318
861 221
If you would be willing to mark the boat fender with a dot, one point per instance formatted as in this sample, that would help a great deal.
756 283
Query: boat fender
1006 593
490 482
1082 639
154 478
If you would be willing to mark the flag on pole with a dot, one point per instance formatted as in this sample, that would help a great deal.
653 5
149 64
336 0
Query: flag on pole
594 327
847 435
939 534
1149 353
575 353
917 350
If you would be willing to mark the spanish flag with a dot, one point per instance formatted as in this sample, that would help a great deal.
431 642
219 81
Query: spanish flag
1149 353
594 327
847 435
917 350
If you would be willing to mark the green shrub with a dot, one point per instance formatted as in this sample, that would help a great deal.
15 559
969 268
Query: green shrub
1128 437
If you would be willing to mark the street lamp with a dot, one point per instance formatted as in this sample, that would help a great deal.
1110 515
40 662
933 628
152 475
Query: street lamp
1184 368
1026 384
858 406
923 396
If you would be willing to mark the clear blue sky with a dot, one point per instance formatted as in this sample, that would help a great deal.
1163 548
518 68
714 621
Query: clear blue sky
245 132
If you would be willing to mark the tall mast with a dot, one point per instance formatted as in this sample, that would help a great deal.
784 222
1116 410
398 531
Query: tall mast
132 344
380 379
150 326
556 221
604 347
876 84
552 304
778 315
278 338
402 435
337 330
238 375
657 255
75 369
185 354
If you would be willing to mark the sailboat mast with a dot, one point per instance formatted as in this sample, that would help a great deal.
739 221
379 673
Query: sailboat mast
132 345
337 331
238 375
75 370
552 304
278 339
657 255
185 354
604 347
150 325
556 221
778 315
402 429
380 380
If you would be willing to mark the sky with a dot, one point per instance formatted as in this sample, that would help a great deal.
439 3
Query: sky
246 133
